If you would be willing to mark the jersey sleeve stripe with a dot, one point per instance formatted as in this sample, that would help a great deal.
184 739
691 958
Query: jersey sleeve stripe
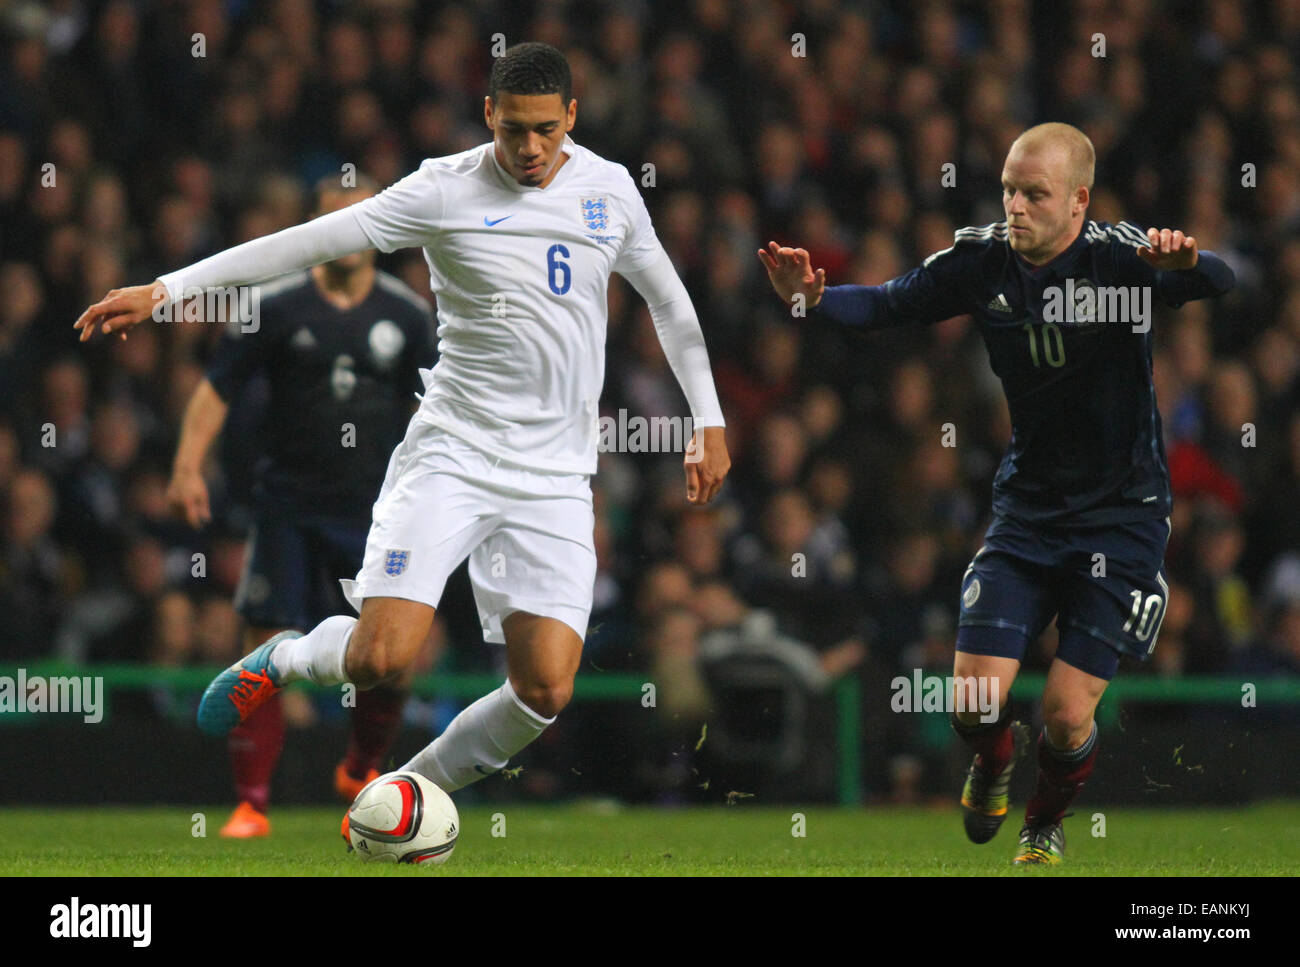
1128 232
978 232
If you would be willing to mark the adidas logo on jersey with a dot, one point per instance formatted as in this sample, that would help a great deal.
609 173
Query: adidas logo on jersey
303 339
1000 304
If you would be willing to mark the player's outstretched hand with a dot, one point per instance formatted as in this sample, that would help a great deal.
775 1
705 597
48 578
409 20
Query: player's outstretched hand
791 272
707 463
121 309
187 493
1169 250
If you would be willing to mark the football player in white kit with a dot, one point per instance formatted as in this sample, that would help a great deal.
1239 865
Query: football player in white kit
520 236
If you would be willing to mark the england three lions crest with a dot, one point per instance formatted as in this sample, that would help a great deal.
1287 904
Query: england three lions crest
395 562
595 213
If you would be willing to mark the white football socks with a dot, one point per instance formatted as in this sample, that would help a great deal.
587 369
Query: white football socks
318 655
479 741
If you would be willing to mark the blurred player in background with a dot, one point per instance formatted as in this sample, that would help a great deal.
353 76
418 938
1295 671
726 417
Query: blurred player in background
342 345
520 235
1084 479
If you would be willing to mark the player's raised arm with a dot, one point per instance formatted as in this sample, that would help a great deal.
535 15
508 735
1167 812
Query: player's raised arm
302 246
1169 249
707 460
1183 271
121 309
401 216
791 273
931 292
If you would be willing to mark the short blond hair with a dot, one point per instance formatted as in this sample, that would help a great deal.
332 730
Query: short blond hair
1076 145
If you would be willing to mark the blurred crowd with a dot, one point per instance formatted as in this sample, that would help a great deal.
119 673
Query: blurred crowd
138 136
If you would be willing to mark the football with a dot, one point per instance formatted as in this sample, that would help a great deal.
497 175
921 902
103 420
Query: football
402 817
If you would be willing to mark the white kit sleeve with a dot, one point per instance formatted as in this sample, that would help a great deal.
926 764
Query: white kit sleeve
320 240
679 333
402 216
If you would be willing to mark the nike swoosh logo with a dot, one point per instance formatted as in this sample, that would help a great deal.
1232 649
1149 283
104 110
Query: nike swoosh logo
489 223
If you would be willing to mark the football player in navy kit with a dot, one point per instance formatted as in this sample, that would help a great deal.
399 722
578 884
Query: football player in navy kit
341 345
1084 479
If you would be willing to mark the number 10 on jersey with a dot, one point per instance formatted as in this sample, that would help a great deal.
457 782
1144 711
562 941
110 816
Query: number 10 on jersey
1053 345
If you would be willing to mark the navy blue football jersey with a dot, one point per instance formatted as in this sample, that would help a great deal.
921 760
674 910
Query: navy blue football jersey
1069 342
342 386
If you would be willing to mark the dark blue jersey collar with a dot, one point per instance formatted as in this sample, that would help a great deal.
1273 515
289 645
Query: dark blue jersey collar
1061 266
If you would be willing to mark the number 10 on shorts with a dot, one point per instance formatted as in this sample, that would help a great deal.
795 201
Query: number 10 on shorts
1147 614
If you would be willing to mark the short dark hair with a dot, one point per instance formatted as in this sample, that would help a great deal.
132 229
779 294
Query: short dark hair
531 68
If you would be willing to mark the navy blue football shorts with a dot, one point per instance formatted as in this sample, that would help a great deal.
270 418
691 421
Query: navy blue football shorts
293 565
1105 586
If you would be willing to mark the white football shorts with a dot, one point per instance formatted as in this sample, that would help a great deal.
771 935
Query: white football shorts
528 534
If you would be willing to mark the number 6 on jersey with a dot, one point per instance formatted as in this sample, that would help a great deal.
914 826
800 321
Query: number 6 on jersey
558 276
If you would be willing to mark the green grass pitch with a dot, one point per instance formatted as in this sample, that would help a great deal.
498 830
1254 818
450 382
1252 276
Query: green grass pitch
594 839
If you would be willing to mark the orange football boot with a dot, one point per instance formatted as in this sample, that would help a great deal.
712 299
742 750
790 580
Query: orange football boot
349 788
246 823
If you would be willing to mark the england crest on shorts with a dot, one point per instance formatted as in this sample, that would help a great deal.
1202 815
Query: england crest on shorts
595 213
395 562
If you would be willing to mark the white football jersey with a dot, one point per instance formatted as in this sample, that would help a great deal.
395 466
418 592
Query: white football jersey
521 275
